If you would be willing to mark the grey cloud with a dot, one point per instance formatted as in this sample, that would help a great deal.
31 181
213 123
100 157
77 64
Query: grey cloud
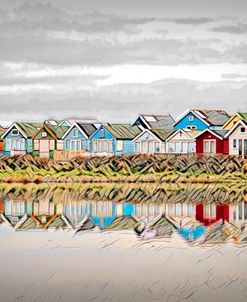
100 52
121 102
48 17
234 76
192 21
31 37
231 29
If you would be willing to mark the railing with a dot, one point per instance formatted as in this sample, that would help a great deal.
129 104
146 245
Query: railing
68 155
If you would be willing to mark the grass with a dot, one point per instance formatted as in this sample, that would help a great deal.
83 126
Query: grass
40 175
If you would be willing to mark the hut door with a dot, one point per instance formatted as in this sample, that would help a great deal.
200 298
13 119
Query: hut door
44 148
245 147
240 147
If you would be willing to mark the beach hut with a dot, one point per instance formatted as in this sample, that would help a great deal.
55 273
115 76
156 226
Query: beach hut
2 131
182 141
238 139
201 119
212 142
113 139
48 138
17 138
151 141
76 140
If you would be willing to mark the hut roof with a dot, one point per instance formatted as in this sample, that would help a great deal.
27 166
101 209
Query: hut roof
123 131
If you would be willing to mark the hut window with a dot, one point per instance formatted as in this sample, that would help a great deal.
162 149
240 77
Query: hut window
8 144
15 132
242 129
73 145
234 143
171 147
120 145
102 133
191 118
44 134
36 144
75 132
137 147
78 145
156 147
245 211
191 127
67 144
240 212
83 145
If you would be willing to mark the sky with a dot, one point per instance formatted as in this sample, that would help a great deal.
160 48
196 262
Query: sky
113 60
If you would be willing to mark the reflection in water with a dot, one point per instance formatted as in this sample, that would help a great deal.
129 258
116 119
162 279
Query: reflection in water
190 212
124 243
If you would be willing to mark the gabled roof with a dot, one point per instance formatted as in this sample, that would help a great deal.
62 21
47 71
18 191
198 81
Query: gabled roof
55 131
27 129
86 129
218 133
162 134
190 133
30 128
159 134
211 117
58 131
2 131
239 123
89 129
71 121
243 115
123 131
156 121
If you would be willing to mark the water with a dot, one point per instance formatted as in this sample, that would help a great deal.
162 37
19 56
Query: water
109 242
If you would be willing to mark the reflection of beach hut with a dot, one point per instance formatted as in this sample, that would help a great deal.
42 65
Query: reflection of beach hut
102 213
75 211
85 225
125 217
162 226
122 223
39 223
13 211
180 209
243 234
210 213
221 231
238 213
189 228
148 211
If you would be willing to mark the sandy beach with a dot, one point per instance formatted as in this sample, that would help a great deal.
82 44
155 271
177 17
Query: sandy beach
117 266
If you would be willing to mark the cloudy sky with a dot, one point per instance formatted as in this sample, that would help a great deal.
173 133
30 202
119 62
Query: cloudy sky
114 59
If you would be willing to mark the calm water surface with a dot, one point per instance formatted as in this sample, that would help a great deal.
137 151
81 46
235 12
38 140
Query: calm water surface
122 243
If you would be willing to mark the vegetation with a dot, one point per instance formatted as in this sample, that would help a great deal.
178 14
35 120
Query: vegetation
157 168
